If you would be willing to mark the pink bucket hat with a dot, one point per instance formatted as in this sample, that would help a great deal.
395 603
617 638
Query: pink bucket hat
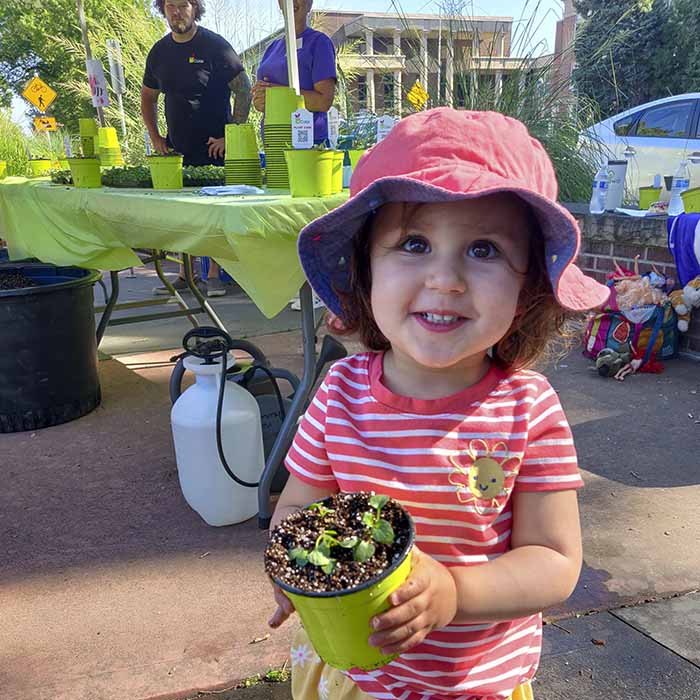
448 155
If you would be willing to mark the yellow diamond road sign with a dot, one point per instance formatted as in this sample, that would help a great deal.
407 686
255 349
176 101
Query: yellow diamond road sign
39 94
417 95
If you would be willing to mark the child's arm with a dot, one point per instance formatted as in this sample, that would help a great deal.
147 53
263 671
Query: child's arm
295 495
539 571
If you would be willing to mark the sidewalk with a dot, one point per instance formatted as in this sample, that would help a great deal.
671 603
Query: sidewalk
111 588
647 652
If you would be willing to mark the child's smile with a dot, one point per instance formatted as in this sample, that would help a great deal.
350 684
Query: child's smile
446 280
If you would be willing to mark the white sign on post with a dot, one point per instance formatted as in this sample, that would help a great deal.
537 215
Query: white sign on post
384 125
98 84
302 129
333 127
116 69
147 143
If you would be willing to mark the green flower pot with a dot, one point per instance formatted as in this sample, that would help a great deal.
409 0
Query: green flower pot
310 172
87 127
338 160
107 137
240 142
40 166
87 144
3 169
85 172
280 103
648 195
166 172
338 624
691 200
355 155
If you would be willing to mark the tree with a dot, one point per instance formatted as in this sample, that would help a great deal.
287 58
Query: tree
30 42
679 67
618 52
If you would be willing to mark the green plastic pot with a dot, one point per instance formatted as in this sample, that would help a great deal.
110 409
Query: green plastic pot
87 144
280 104
40 166
85 172
107 137
241 143
166 172
310 172
3 169
355 155
338 160
648 195
87 127
338 624
691 200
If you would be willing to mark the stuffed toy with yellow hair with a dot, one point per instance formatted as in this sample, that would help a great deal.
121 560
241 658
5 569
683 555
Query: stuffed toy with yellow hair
684 301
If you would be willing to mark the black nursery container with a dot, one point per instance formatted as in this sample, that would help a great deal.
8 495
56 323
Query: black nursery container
48 349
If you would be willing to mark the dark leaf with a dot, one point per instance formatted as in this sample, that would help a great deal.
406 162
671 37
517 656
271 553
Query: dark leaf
364 551
383 532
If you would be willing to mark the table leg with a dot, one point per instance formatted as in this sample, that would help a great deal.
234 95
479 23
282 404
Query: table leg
111 303
301 396
203 302
169 286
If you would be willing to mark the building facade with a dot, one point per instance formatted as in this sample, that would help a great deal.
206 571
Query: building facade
564 56
383 55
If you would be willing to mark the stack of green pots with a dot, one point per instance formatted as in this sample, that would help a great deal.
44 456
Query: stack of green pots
110 153
280 104
242 164
88 136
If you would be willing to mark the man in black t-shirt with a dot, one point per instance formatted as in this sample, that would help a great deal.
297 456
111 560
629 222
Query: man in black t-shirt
197 71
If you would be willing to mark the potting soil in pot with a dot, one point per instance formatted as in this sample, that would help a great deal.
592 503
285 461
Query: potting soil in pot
15 280
334 529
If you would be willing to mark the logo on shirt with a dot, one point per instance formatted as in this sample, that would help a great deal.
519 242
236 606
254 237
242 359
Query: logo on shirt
194 59
481 481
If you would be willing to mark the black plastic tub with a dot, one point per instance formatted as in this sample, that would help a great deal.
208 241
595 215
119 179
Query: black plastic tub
48 349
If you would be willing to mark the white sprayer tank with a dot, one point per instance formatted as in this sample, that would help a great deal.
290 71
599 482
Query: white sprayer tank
206 486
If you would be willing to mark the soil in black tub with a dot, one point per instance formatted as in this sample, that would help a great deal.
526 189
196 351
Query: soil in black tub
15 280
336 545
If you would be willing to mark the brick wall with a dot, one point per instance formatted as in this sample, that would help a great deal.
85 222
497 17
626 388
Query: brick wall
611 237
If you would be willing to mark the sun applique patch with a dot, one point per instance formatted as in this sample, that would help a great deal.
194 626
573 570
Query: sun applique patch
479 477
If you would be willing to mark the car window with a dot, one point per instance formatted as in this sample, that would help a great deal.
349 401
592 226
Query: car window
669 121
622 126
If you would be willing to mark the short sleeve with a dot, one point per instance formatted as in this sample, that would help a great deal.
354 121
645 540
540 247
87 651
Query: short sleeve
549 462
307 458
149 78
228 63
323 65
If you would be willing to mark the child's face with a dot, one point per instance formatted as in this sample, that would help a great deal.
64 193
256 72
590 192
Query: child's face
445 286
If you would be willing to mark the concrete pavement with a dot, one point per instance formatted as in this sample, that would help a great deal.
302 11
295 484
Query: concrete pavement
111 587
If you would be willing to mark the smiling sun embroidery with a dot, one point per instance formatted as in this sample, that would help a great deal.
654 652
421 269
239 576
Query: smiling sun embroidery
482 482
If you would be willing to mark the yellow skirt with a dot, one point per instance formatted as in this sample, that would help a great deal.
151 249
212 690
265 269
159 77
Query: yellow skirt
312 679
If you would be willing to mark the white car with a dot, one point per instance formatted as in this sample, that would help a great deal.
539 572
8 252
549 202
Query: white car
653 138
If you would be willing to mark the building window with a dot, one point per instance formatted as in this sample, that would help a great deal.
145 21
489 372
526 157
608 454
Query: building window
388 88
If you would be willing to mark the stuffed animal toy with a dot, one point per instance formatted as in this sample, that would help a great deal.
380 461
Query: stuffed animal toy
691 293
682 311
609 362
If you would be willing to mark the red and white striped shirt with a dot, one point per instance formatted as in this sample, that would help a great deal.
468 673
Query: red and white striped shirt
453 463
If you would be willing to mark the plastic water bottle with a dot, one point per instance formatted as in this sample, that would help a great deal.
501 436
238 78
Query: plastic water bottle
681 182
601 183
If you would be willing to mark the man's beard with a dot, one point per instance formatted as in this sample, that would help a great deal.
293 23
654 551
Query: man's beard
177 27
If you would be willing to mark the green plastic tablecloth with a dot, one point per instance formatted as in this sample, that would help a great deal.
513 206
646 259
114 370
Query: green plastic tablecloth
252 237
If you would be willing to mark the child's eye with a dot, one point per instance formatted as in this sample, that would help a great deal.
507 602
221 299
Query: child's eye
415 244
482 249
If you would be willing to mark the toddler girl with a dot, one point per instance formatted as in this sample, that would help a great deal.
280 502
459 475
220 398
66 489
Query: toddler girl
453 263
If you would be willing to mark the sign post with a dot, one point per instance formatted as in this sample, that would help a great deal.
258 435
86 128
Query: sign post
45 124
39 94
291 41
116 72
88 56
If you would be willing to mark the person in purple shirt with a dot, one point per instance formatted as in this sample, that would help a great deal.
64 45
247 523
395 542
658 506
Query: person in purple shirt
317 73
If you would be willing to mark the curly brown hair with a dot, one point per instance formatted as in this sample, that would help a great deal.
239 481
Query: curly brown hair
539 327
198 6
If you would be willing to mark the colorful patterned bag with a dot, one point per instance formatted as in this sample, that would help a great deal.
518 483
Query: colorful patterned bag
651 330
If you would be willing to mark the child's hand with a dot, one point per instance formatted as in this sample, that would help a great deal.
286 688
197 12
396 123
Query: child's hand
284 607
427 601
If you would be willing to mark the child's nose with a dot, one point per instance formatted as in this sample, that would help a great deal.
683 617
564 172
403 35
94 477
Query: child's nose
446 275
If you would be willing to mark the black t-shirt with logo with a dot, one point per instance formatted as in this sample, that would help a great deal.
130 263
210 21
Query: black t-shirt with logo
194 78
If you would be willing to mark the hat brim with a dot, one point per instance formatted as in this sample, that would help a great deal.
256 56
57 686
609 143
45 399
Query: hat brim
326 244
